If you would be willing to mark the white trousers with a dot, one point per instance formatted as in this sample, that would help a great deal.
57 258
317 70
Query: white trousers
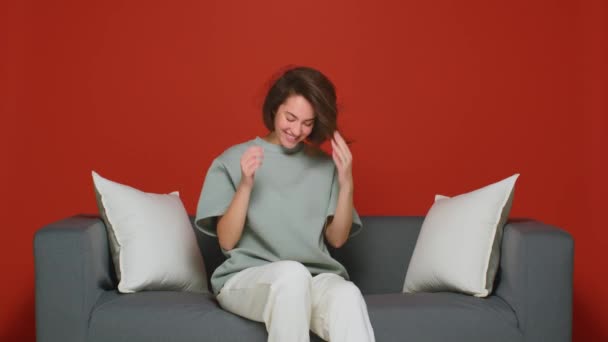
291 302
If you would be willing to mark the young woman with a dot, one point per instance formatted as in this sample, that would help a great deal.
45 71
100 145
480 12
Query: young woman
273 202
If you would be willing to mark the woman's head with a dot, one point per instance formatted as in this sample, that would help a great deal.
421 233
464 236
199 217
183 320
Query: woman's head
300 105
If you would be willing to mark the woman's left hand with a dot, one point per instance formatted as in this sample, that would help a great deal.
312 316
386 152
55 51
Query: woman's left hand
343 160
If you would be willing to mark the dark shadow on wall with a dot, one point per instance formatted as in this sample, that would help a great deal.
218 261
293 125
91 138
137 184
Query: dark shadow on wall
586 325
21 327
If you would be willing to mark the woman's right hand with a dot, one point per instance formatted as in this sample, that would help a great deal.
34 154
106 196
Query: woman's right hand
250 161
230 226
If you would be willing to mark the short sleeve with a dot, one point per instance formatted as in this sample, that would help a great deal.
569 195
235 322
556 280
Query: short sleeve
216 195
333 201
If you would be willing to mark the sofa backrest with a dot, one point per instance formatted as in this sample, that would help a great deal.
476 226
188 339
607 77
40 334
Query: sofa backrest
376 259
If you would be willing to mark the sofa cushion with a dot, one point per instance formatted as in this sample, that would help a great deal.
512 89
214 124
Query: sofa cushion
390 240
458 248
169 316
441 316
151 239
166 316
182 316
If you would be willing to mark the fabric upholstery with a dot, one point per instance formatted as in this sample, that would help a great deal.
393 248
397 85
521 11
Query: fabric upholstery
536 279
532 301
442 316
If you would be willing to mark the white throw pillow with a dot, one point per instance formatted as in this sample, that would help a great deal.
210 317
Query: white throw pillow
458 248
151 238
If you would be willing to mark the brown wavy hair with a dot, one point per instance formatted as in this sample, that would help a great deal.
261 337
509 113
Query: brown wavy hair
316 88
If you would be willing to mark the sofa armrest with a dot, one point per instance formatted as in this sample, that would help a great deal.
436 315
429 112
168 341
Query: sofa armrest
536 279
72 265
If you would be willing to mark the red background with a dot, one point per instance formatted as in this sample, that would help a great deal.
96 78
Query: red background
440 96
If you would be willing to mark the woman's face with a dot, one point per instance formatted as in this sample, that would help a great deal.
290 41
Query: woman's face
293 121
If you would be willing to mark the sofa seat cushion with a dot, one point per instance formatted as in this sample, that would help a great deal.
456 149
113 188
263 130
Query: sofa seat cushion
182 316
441 316
169 316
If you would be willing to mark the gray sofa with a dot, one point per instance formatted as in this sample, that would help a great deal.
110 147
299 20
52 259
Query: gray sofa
76 297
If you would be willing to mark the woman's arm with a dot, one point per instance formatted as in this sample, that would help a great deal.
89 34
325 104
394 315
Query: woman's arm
339 227
230 226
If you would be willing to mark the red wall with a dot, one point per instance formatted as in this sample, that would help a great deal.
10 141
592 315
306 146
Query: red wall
441 97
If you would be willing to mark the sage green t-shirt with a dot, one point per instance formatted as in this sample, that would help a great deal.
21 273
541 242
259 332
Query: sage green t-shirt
294 192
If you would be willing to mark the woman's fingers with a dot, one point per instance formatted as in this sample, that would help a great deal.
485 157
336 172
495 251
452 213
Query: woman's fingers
335 149
336 158
343 159
340 152
342 145
251 160
253 152
254 158
252 165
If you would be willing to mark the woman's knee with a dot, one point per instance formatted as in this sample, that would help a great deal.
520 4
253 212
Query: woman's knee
345 294
292 273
